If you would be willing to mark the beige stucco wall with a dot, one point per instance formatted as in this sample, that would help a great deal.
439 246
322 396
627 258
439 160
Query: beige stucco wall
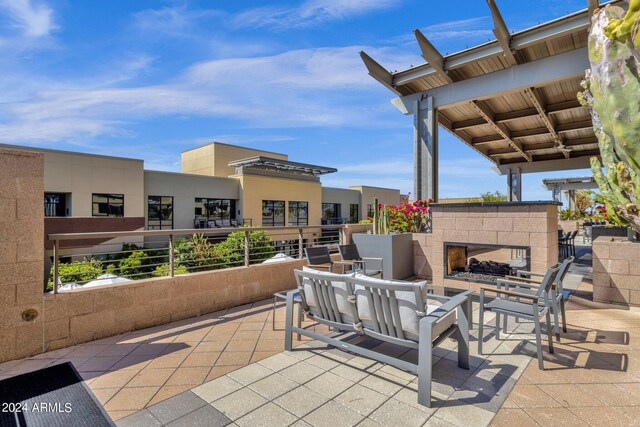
85 174
385 196
255 189
213 159
344 197
185 188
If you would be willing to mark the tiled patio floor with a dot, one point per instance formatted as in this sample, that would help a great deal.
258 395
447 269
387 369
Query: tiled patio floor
132 371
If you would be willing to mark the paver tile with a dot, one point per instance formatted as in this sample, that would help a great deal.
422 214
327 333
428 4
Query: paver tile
176 407
268 415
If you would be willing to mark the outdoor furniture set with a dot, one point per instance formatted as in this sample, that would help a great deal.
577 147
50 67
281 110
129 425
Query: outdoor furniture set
409 314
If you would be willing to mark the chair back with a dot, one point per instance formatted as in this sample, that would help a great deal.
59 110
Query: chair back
349 252
318 255
547 281
563 270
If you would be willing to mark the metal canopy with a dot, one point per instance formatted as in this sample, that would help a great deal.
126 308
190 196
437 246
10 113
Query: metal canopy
513 100
278 165
564 184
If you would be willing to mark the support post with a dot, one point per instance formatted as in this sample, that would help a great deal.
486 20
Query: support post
425 150
514 183
171 256
557 194
300 244
56 273
246 248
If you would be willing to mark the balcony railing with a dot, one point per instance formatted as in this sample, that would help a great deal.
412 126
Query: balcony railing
221 223
132 255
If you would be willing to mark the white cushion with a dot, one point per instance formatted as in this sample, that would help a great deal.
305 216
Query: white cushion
339 289
407 308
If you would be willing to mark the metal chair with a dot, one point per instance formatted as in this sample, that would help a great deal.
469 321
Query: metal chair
537 307
319 257
351 257
557 294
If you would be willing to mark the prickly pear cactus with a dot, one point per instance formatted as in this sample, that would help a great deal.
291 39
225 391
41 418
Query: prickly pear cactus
612 92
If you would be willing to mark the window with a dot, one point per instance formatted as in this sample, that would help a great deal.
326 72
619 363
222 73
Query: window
55 204
108 204
272 213
370 211
331 212
298 213
160 212
354 213
222 210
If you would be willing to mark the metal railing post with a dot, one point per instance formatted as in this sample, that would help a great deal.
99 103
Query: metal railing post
56 273
246 248
171 255
300 243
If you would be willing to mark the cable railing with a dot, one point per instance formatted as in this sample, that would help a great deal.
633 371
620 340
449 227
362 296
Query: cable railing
123 256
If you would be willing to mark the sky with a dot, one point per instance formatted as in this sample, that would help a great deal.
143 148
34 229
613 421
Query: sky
149 79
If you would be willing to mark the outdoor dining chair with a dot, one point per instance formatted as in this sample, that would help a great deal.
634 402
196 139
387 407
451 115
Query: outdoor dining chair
557 295
529 307
351 257
319 257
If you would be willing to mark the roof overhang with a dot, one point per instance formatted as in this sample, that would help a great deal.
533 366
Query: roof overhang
281 166
513 100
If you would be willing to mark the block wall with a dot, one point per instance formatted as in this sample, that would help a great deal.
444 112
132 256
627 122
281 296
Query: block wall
616 271
534 225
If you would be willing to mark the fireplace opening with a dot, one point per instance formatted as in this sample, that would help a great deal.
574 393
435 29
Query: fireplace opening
485 263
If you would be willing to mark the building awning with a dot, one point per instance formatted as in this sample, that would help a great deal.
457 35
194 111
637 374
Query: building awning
278 165
514 99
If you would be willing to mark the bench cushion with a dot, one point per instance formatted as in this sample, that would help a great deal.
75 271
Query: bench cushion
407 308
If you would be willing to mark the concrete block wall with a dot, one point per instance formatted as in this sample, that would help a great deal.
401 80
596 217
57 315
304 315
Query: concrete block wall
21 253
616 271
534 225
84 315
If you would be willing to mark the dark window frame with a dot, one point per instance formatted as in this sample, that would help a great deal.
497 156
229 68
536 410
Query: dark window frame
161 223
354 214
336 210
215 209
270 221
295 208
55 203
111 198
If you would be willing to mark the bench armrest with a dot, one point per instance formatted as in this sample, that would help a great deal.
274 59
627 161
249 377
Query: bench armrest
529 273
523 279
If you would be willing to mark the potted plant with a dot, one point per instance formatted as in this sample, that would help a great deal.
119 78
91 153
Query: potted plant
391 238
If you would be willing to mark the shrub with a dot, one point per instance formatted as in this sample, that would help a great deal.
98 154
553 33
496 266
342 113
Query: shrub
77 271
163 270
231 251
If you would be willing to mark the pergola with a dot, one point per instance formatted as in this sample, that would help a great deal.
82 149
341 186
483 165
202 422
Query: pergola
512 100
570 185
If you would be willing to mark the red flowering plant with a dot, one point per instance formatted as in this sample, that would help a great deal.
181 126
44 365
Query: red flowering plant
408 217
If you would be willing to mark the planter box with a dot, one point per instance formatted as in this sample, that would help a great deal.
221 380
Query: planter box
608 231
395 249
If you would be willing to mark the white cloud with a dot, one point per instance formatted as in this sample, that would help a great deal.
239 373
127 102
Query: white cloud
310 13
34 20
300 88
480 27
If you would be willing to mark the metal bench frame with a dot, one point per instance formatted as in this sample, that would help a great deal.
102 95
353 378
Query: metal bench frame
388 328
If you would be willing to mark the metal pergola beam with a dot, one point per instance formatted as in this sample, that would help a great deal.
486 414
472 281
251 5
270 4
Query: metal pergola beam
379 73
543 72
545 165
501 32
539 103
577 22
486 113
432 55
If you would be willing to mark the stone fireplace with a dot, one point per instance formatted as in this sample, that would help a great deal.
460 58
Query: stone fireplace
531 227
483 263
